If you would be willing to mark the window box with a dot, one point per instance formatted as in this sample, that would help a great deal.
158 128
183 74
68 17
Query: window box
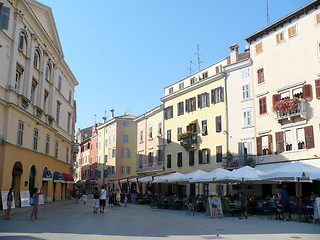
288 108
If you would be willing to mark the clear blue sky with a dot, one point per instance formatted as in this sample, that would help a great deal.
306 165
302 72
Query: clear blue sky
124 52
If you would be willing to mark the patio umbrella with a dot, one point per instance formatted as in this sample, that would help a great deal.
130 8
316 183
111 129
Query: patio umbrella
185 178
166 178
209 176
145 179
244 174
315 175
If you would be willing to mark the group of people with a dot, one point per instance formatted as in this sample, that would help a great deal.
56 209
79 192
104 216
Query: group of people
9 203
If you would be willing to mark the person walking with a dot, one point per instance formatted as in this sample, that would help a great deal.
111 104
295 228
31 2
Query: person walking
34 212
243 206
102 199
111 199
9 204
284 202
96 195
84 196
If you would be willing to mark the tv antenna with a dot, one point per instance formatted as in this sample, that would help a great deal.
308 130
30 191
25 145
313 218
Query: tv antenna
198 54
190 67
95 118
268 18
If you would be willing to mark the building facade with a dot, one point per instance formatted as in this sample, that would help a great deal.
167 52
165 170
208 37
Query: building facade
37 109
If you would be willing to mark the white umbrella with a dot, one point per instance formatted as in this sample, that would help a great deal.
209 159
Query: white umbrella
293 171
243 174
315 175
145 179
209 176
185 178
167 177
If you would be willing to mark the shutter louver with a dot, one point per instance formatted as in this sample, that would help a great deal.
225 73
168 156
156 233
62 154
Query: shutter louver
5 15
200 157
308 134
259 146
307 91
317 83
280 142
199 101
270 143
221 94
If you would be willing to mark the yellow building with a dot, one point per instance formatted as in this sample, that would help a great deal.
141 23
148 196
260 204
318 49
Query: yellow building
195 123
117 146
37 110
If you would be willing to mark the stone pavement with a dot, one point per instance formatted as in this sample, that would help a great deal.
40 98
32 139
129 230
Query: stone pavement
67 220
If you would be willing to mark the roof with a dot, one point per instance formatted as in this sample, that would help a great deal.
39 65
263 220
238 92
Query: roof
279 23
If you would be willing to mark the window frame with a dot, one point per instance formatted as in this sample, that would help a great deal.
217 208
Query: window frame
20 133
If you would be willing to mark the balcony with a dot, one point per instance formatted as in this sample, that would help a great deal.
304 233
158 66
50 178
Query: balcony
292 109
188 140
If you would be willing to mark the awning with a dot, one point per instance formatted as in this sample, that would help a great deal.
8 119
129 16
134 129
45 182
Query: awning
67 178
47 175
57 177
194 122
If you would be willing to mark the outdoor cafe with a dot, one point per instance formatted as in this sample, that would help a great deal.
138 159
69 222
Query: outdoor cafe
259 185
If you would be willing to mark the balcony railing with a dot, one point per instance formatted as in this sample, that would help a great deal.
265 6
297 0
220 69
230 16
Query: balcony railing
188 140
301 111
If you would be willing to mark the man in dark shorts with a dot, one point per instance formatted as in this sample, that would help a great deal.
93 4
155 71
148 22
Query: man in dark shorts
284 202
102 199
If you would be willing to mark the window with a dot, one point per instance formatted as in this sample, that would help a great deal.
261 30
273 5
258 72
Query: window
259 48
246 113
69 122
292 31
140 136
150 158
113 153
4 17
168 112
35 139
218 124
125 124
191 158
246 91
159 156
169 161
150 133
264 145
48 72
288 140
58 112
218 154
279 142
126 153
160 128
204 75
59 83
169 136
179 159
181 86
206 189
70 96
140 160
317 18
179 131
193 80
56 149
125 170
245 73
192 127
204 127
45 100
217 95
191 104
33 91
263 105
280 37
309 138
20 132
180 108
260 73
171 90
204 156
17 81
126 138
36 59
218 69
203 100
22 42
47 143
114 138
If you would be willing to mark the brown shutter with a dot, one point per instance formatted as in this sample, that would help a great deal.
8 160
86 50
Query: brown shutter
275 98
307 91
259 146
200 157
317 83
308 135
270 143
199 101
280 142
263 105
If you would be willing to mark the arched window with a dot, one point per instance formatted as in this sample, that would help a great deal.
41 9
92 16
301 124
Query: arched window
23 42
36 59
48 72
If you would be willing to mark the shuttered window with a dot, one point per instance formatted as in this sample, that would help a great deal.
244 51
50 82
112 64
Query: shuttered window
280 37
169 161
279 142
260 73
203 100
317 83
307 91
263 105
4 17
204 156
308 135
292 31
204 128
218 124
169 136
191 158
275 98
217 95
270 143
180 108
259 48
179 159
218 154
259 146
318 19
191 104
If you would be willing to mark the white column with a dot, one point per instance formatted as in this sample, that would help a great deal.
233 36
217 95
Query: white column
41 80
29 68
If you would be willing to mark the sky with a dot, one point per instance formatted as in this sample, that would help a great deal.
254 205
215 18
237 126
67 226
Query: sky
124 53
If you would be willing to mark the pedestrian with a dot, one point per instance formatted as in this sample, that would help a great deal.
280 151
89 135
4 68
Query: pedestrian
9 204
34 212
243 206
96 195
102 199
111 199
125 200
77 194
84 196
284 202
118 198
214 203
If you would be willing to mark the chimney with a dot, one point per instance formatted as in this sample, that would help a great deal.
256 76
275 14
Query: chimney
112 113
234 53
104 119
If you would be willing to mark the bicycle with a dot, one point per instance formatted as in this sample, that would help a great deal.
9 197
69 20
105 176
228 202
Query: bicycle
189 208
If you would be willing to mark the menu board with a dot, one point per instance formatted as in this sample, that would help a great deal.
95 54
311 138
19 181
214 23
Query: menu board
25 198
219 205
4 200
